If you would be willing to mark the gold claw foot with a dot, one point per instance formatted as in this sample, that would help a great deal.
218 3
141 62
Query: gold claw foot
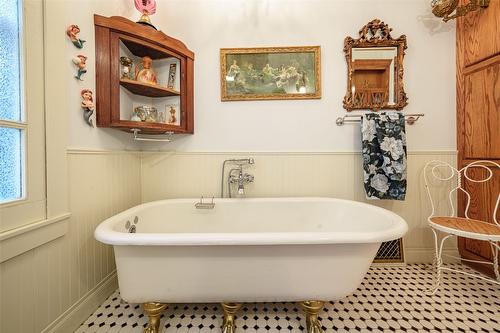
230 310
153 310
312 309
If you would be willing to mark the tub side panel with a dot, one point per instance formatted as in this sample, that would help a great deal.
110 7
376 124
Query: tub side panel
198 274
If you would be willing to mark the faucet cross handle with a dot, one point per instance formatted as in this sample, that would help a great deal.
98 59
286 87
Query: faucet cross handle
248 178
233 179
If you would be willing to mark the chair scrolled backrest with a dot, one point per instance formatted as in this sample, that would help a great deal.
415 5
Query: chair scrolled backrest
431 172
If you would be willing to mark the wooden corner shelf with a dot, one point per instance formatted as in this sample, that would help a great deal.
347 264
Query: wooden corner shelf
111 34
146 89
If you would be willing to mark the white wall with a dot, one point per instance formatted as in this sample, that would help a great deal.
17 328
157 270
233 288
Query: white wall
208 25
81 12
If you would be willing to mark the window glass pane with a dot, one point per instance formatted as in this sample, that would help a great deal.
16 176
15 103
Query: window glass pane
11 156
10 100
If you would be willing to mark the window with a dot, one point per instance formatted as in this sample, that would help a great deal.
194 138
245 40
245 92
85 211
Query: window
12 127
22 114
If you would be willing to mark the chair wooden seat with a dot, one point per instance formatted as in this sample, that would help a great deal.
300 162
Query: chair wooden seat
467 226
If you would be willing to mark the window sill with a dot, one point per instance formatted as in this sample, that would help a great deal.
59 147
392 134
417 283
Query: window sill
19 240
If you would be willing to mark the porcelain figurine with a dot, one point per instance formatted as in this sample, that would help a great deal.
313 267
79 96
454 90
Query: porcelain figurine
171 76
87 105
135 116
126 67
146 8
147 74
146 113
72 32
161 116
80 62
173 118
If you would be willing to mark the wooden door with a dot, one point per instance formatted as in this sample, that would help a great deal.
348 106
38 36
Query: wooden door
478 116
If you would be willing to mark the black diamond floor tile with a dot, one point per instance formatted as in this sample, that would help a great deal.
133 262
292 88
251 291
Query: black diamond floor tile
390 299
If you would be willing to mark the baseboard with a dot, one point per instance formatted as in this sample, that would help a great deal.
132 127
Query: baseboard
390 264
426 255
72 318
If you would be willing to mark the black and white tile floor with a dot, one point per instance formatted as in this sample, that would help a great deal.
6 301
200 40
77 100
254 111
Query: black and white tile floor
390 299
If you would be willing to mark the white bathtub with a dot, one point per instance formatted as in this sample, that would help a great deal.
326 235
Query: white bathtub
246 250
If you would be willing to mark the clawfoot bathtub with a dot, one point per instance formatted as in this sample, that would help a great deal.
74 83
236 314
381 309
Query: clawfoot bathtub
245 250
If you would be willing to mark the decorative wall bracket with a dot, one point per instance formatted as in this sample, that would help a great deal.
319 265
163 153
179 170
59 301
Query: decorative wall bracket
445 8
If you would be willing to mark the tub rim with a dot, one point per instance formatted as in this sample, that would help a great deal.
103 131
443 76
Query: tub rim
105 233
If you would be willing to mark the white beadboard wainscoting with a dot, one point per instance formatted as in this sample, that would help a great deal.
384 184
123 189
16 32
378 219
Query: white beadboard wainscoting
339 175
54 287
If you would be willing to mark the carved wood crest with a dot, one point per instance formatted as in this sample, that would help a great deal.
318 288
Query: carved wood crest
375 34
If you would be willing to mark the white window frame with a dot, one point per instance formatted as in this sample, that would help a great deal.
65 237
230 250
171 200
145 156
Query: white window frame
43 215
31 206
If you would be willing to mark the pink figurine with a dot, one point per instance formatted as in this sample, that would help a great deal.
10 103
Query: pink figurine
146 8
72 32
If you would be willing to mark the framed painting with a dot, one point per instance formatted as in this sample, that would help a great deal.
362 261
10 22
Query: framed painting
270 73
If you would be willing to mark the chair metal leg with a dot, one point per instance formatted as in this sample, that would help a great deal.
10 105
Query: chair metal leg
437 261
439 245
494 251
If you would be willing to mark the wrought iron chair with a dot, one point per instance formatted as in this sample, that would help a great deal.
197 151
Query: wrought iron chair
445 227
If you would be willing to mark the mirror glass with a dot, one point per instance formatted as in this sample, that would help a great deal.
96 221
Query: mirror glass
373 73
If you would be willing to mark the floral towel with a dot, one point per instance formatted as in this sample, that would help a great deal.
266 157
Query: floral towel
384 155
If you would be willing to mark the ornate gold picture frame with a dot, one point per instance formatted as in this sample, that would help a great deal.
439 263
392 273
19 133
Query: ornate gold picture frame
270 73
363 72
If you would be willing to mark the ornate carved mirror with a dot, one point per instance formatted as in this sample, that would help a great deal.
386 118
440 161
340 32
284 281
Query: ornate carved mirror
375 69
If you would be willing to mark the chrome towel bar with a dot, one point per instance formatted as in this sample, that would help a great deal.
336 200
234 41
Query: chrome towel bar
165 138
356 118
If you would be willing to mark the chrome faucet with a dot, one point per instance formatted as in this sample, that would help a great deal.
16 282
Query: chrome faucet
241 179
236 176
